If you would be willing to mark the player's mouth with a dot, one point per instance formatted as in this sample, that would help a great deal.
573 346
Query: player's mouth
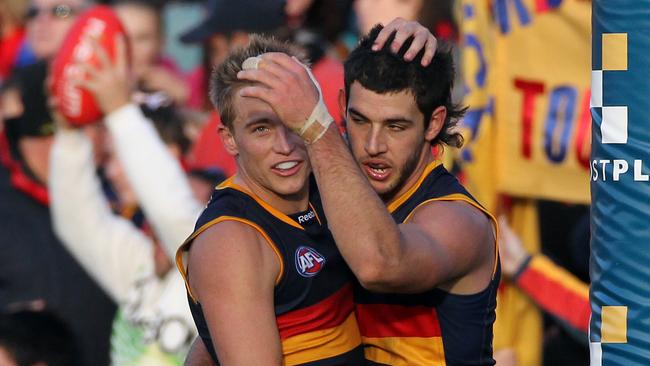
378 171
287 168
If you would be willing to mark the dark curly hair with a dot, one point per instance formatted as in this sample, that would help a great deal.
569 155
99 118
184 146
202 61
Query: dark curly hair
385 72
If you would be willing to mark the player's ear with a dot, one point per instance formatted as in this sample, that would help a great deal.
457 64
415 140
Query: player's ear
343 105
228 139
436 123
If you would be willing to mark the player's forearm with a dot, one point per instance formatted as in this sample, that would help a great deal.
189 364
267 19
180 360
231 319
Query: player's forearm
364 231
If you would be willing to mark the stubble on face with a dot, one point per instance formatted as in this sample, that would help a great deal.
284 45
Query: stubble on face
403 173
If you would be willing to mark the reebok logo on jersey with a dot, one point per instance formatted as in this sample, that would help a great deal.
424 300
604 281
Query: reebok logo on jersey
308 261
306 217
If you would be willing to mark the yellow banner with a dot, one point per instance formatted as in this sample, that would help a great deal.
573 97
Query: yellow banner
527 70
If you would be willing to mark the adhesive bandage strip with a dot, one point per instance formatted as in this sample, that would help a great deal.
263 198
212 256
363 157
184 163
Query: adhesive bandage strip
319 120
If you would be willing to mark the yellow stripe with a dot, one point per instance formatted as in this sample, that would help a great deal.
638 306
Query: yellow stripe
557 274
315 214
405 351
229 183
393 205
322 344
185 247
466 199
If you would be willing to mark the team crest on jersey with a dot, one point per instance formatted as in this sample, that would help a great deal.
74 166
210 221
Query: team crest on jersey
308 261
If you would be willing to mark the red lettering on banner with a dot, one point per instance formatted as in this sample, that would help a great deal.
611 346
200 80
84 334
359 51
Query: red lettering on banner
541 6
530 89
583 133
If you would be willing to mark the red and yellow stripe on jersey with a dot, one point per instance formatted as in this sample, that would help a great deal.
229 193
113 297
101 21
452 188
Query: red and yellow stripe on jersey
435 327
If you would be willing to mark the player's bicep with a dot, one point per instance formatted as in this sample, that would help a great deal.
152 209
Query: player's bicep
232 272
444 241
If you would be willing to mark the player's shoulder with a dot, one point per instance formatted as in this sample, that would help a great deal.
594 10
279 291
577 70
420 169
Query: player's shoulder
228 235
461 216
465 211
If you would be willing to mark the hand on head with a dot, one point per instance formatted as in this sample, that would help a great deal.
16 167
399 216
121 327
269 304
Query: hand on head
285 84
403 29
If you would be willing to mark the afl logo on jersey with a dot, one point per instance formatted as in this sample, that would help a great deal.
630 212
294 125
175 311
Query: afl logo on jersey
308 261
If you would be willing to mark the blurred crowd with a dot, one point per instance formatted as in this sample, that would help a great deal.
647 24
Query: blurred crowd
91 217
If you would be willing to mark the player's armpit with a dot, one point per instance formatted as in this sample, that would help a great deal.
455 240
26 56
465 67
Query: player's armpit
232 272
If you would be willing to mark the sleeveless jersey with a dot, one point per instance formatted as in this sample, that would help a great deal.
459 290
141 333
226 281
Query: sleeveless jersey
313 295
435 327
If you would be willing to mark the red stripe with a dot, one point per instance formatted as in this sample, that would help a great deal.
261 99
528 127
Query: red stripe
556 299
381 320
19 179
328 313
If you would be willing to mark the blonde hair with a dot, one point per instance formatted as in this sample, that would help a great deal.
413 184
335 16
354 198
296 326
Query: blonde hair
224 82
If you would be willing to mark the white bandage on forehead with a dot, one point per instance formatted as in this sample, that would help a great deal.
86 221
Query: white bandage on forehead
251 63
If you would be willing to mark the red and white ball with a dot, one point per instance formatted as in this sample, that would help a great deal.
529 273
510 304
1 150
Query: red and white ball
78 105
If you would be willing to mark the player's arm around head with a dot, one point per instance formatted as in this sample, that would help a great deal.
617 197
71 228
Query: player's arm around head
232 273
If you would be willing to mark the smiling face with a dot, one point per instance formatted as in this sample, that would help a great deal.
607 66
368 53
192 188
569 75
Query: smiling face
271 159
387 138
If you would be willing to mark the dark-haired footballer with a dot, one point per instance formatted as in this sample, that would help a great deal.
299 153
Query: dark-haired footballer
429 264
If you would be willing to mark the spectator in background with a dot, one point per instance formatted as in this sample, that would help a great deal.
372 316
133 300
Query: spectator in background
48 21
226 27
153 325
553 288
35 338
34 265
144 27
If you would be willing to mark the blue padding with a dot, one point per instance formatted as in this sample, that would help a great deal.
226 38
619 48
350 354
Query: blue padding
620 214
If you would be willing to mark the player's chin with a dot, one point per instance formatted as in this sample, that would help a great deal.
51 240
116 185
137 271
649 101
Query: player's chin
383 188
288 186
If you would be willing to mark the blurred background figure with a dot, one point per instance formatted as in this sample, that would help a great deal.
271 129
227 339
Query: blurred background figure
48 22
151 71
561 295
35 266
36 338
